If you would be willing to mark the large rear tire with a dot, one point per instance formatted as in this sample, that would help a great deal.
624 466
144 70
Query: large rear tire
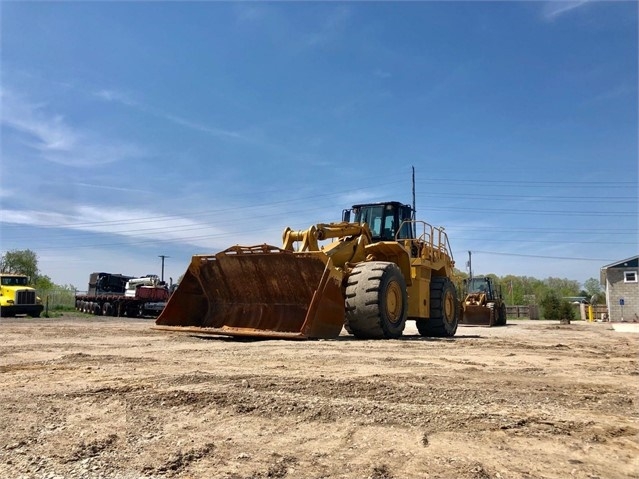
444 310
376 301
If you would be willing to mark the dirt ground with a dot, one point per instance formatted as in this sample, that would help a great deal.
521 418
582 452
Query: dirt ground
87 397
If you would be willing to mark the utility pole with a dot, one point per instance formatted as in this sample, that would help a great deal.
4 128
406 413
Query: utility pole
470 265
162 256
414 207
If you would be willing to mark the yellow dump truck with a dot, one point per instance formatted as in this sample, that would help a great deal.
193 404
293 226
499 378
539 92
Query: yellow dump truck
378 268
17 297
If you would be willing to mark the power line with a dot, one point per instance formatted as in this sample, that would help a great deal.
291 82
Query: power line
536 198
499 240
535 212
528 183
209 212
545 257
335 194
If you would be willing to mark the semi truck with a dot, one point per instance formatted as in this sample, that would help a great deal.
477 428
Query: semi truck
111 294
17 297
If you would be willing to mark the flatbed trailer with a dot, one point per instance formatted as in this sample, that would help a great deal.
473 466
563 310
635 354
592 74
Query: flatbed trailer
107 295
119 305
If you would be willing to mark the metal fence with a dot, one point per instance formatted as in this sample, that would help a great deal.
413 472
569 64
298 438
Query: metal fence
532 312
57 298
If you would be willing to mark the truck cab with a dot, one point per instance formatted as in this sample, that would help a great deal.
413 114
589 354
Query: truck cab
17 297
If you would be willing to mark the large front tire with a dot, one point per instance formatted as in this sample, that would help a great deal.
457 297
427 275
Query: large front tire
444 310
503 314
376 301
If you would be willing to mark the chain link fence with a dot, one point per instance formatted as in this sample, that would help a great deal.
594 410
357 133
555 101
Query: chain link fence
57 299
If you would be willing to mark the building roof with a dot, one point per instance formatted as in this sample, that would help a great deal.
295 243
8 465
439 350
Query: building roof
632 262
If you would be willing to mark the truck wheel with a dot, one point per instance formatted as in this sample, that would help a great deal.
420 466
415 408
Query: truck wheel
376 301
444 310
107 309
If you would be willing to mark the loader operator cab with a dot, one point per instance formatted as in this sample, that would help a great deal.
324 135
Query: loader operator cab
481 285
383 219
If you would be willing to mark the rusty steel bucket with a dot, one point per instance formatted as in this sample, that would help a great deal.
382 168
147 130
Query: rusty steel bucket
258 291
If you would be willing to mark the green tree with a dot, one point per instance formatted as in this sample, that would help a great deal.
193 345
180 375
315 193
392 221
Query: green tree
566 312
20 262
556 308
44 283
512 289
594 291
458 279
551 304
562 286
522 289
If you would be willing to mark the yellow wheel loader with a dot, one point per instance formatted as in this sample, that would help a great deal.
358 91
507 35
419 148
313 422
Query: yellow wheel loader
483 304
377 269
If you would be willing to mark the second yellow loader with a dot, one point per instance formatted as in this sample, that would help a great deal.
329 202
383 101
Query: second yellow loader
483 304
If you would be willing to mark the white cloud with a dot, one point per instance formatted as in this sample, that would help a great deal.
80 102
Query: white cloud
203 128
554 9
8 192
55 140
114 96
112 188
134 225
382 74
249 12
332 26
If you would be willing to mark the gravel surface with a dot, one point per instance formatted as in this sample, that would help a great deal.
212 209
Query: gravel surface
86 397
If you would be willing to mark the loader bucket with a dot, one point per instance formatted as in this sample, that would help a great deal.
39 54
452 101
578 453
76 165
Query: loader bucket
477 315
258 291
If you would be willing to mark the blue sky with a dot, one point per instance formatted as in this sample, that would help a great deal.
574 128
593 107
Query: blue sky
132 130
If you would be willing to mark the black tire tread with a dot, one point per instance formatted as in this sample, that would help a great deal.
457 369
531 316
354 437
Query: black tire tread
436 326
363 318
